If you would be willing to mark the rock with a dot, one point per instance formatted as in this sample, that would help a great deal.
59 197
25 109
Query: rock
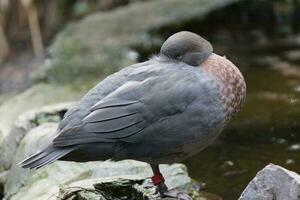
45 183
11 134
34 140
287 69
3 176
292 56
124 187
99 44
273 182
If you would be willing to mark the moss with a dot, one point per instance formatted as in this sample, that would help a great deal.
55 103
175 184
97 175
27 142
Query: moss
88 195
1 191
120 189
45 117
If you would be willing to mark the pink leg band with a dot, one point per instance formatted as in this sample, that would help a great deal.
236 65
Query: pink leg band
157 179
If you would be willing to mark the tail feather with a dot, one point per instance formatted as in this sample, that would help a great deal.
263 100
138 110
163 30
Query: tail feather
44 157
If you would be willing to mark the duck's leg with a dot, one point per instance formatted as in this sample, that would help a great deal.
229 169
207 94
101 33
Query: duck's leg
159 181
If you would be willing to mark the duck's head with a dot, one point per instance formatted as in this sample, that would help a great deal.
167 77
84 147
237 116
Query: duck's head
187 47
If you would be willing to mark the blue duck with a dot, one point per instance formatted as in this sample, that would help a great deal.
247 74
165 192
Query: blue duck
159 111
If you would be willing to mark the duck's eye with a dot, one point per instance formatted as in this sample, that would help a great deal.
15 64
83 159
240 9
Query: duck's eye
179 57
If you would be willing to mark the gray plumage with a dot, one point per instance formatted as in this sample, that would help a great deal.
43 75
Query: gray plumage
158 111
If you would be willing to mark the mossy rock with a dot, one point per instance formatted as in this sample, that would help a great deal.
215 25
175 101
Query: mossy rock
102 43
22 112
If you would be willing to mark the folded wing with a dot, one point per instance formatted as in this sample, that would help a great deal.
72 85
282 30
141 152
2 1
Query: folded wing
124 114
110 120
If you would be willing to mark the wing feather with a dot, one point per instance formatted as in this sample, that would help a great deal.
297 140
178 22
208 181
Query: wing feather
112 103
114 125
108 114
108 123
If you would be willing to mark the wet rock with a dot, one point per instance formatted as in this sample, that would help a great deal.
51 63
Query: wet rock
294 147
293 56
281 141
287 69
297 88
273 182
290 162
